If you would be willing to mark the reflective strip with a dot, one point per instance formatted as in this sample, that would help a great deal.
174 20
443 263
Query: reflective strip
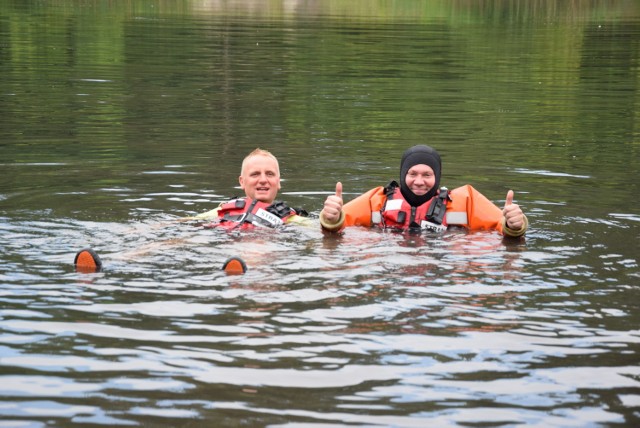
268 218
456 217
393 204
376 217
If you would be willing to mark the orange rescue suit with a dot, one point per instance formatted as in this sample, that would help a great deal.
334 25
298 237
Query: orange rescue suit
467 208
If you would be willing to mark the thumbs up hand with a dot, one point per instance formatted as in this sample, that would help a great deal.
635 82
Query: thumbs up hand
333 205
514 217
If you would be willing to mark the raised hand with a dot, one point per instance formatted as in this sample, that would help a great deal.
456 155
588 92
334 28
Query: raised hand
512 213
333 205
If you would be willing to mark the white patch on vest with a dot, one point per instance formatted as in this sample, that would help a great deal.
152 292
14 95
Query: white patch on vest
376 217
432 226
457 217
393 204
271 219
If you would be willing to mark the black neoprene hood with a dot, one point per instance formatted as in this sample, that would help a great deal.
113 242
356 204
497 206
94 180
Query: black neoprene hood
417 155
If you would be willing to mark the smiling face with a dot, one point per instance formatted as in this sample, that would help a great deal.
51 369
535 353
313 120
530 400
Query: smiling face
260 177
420 179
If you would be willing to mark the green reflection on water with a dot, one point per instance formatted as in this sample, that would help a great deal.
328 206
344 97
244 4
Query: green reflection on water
336 89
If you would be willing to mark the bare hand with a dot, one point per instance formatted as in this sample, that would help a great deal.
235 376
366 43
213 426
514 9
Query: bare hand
512 213
333 205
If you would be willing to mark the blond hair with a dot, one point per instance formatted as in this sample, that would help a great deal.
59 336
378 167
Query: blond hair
260 152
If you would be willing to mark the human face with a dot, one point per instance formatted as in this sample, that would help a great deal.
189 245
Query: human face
420 179
260 178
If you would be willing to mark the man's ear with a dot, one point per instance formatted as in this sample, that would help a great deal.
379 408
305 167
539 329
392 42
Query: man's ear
241 181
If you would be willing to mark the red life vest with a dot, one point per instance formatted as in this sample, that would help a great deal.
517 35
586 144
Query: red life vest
247 213
396 212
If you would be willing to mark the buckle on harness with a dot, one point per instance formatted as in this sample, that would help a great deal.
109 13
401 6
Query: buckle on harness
438 208
279 209
245 217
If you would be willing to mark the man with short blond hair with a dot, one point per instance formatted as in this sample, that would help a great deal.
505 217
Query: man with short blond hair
260 180
260 176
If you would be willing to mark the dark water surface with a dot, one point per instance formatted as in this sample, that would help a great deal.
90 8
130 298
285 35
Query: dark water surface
117 118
